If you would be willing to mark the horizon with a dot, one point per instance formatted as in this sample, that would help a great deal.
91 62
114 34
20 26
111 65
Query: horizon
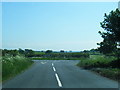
68 26
43 50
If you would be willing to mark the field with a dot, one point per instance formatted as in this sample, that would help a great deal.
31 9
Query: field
59 56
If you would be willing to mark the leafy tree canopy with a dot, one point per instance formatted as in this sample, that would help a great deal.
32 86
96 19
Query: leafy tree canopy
111 35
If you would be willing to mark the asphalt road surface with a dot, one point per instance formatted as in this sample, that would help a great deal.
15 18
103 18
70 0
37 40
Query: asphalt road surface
58 74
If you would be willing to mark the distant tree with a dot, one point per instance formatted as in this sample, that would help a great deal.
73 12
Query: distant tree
62 51
70 51
42 51
10 52
21 51
85 51
14 52
49 51
94 50
29 53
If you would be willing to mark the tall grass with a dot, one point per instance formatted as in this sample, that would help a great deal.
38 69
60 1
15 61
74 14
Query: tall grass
112 73
96 61
11 66
104 65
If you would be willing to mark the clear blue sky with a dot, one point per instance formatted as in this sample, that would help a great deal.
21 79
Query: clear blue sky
53 25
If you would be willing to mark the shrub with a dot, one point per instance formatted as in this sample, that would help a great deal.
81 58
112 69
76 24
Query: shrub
98 61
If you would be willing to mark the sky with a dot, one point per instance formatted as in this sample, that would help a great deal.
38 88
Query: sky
53 25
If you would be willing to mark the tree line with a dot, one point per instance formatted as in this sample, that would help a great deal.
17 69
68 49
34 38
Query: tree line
44 54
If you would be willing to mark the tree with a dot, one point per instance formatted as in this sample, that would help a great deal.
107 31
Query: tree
111 24
62 51
29 53
111 36
21 51
14 52
48 51
107 47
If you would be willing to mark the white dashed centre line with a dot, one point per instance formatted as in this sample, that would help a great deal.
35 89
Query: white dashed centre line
56 75
58 80
54 69
52 64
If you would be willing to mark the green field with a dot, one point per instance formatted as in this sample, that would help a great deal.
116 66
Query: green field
59 56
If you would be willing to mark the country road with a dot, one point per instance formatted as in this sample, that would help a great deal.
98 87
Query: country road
58 74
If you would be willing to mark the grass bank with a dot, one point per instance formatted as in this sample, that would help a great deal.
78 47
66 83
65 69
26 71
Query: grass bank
112 73
12 66
101 64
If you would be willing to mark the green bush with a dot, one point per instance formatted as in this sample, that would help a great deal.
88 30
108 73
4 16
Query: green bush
96 61
104 65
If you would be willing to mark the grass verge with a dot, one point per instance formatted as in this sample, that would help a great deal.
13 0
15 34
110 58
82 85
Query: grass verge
112 73
11 66
102 65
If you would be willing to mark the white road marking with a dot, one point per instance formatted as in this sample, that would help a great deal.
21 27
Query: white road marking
54 69
58 80
43 62
52 64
